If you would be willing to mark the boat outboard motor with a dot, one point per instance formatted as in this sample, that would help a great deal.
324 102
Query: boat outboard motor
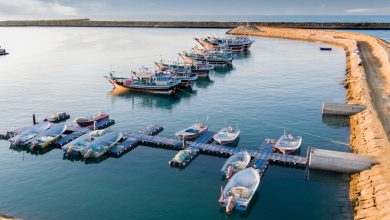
230 204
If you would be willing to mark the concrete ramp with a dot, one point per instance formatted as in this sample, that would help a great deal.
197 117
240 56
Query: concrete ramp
336 161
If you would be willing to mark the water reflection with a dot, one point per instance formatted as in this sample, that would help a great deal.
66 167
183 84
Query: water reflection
151 100
203 82
335 120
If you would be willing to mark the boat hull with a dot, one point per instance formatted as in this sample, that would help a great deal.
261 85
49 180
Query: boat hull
88 123
160 91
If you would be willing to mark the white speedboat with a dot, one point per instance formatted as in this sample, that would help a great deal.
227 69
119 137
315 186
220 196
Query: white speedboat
240 189
79 146
288 144
193 131
29 133
235 163
102 144
47 137
226 135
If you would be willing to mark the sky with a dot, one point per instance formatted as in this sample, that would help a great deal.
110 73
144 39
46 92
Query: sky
130 9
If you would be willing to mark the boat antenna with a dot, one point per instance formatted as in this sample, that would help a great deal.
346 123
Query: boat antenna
207 118
225 123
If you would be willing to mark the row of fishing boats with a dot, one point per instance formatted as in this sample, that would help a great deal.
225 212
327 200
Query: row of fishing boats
217 52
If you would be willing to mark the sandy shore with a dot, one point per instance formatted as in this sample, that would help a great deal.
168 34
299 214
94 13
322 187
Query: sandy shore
5 217
370 86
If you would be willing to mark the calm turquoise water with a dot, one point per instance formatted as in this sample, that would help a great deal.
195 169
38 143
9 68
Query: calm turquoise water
281 83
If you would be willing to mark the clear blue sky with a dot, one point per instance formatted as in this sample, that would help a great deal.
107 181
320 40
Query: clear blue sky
122 9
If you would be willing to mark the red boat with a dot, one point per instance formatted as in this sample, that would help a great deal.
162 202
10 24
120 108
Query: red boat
90 120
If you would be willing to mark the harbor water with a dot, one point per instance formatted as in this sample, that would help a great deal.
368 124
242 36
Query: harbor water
280 84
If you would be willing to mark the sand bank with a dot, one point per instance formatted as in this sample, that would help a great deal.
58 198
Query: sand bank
370 189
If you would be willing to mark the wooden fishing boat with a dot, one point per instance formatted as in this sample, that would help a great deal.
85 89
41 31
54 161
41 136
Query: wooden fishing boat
221 51
79 146
185 75
234 43
193 131
200 69
214 59
29 133
227 135
163 84
47 137
85 121
235 163
288 144
240 189
102 144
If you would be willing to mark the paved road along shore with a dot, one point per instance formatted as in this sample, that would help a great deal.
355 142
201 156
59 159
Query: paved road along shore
193 24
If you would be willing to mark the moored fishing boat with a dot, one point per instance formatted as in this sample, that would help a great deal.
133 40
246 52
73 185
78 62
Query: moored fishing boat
288 144
234 43
221 51
47 137
85 121
235 163
193 131
185 75
102 144
240 189
216 60
200 69
163 84
29 133
227 135
79 146
58 116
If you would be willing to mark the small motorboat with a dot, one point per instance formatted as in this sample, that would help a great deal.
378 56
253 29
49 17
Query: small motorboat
288 144
29 133
47 137
235 163
102 144
326 48
182 155
58 117
193 131
79 146
240 189
226 135
85 121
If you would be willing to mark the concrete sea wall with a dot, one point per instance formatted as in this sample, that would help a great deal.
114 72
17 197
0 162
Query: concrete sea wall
193 24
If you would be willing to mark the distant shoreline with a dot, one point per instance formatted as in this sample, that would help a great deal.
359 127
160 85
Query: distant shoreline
191 24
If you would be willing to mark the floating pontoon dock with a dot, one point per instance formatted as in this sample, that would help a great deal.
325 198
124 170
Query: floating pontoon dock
341 109
261 157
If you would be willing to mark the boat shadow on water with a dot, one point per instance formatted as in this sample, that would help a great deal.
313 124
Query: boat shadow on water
242 214
203 82
242 55
21 148
86 161
152 100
